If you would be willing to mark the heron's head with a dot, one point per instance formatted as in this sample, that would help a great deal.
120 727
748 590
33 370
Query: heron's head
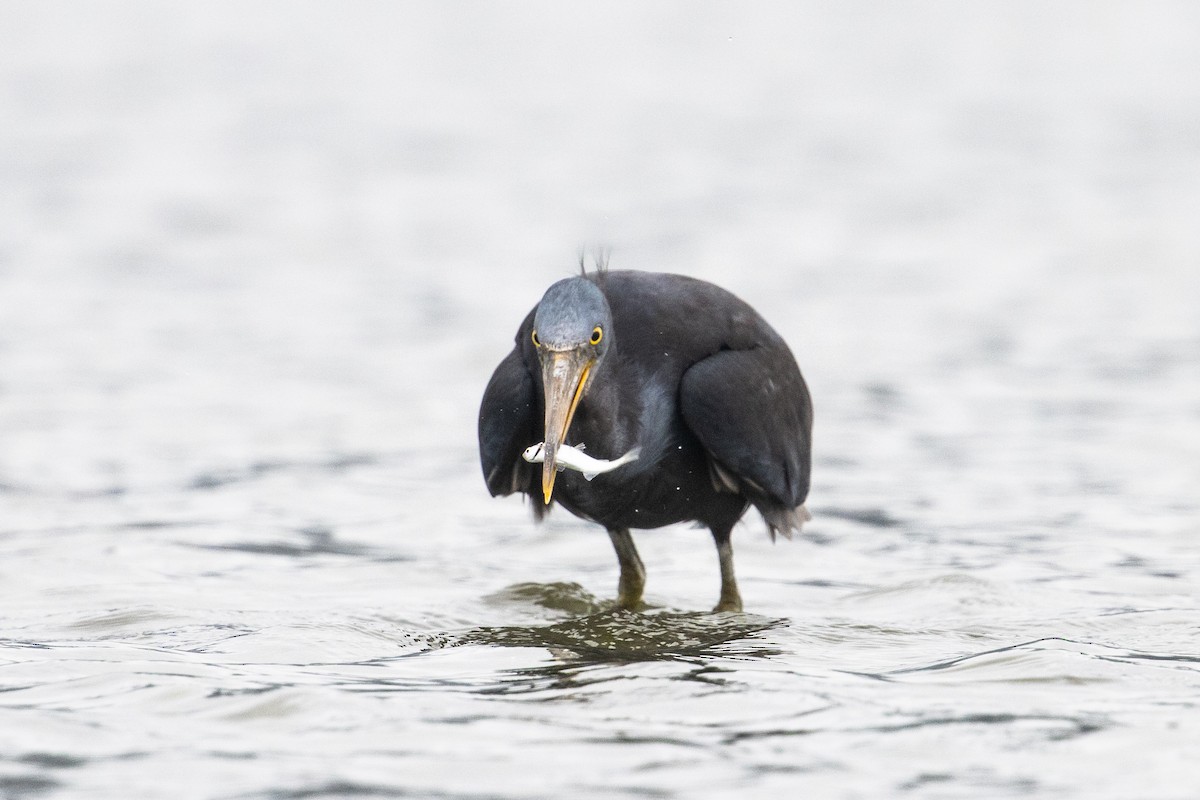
572 332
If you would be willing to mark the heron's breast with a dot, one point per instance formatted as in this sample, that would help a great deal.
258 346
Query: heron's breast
675 487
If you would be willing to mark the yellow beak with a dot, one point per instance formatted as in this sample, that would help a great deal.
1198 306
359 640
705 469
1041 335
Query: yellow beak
564 377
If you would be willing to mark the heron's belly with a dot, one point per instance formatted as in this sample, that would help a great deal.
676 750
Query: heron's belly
677 489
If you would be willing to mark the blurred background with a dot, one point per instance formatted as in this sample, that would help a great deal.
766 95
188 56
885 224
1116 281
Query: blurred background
258 260
294 225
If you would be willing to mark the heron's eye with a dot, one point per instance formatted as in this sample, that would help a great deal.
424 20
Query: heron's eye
536 342
597 335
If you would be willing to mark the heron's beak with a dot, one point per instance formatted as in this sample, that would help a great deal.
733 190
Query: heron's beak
564 376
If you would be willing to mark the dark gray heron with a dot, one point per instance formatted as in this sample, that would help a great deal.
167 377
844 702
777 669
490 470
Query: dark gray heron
677 367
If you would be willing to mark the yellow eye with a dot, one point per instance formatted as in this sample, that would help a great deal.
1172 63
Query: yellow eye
597 335
536 341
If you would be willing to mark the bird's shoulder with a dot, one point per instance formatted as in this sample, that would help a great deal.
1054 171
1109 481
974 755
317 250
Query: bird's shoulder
679 311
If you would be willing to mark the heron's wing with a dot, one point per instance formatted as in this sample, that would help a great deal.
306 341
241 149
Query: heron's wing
507 425
752 412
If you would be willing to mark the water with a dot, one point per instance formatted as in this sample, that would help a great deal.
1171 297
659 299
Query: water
256 265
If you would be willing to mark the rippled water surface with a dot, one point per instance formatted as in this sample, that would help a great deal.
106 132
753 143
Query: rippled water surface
257 263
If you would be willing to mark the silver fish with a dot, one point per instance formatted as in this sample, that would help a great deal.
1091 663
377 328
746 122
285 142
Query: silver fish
574 458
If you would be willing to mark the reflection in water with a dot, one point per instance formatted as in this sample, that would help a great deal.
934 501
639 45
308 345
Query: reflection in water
599 633
559 596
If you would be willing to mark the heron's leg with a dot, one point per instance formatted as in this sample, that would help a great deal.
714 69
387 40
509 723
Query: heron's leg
730 600
633 574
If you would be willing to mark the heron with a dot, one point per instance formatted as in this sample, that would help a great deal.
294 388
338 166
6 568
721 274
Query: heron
680 369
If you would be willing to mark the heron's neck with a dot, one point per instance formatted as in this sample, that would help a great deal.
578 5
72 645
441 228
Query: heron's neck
604 422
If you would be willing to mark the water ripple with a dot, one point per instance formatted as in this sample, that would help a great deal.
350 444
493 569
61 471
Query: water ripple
612 634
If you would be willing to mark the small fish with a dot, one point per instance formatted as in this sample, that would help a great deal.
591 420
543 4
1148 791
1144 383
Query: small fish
574 458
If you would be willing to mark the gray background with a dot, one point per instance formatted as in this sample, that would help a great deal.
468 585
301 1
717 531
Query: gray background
258 260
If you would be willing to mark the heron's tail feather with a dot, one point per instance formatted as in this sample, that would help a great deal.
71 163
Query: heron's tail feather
785 520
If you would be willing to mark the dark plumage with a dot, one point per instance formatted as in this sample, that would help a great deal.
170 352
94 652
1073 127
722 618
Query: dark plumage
676 366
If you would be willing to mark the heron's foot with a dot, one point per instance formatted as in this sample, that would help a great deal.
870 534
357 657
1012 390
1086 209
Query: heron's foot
731 599
630 588
727 603
627 603
633 574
